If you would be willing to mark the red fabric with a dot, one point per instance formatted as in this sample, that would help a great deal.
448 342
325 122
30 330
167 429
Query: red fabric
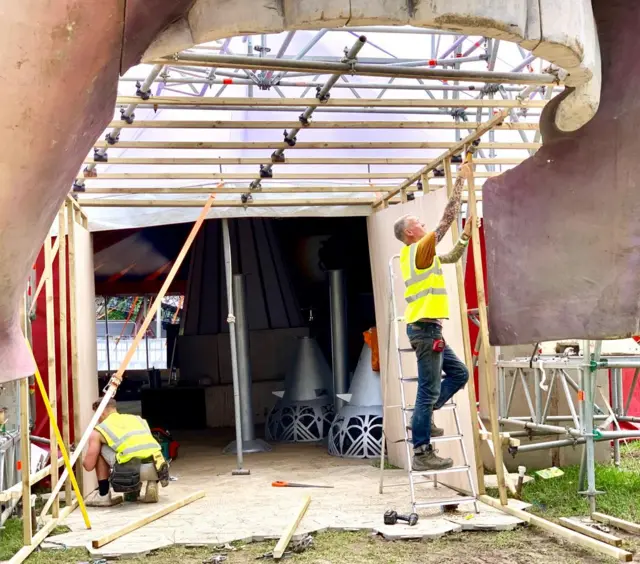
39 331
472 297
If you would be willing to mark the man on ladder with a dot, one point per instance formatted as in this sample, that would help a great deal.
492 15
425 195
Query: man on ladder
427 306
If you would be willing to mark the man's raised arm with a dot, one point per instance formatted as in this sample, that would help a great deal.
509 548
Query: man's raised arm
453 205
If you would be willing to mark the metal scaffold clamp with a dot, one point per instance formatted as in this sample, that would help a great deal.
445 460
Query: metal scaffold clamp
90 172
351 61
246 199
277 157
266 172
459 113
111 139
143 94
303 120
124 117
255 184
291 141
78 187
100 156
320 96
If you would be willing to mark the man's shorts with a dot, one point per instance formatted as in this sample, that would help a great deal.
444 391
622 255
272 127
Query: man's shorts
147 469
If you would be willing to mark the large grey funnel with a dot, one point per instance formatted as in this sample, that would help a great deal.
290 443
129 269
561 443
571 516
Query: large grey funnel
356 431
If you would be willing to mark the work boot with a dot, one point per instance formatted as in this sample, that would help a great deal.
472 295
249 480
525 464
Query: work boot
162 468
424 458
94 499
151 494
435 431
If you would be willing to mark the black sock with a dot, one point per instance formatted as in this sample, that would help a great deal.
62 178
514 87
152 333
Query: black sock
103 487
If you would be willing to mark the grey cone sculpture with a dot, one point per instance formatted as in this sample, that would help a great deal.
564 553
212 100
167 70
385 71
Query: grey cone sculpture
305 409
356 432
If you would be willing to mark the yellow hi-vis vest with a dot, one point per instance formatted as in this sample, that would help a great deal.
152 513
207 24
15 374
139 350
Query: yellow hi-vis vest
425 289
129 436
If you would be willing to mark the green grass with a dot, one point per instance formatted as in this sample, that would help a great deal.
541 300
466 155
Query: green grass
559 497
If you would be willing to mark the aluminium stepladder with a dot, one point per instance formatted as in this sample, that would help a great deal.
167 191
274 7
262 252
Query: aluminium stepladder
396 322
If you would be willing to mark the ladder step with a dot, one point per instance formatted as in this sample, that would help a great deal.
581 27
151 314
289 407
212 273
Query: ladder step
446 501
446 471
406 350
442 439
445 407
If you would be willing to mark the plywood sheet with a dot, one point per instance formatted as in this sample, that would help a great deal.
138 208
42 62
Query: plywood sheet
87 381
382 246
563 252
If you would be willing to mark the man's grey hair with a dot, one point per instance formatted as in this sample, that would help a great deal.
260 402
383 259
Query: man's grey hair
399 227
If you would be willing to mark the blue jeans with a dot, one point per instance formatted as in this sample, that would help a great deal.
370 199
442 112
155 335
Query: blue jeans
434 388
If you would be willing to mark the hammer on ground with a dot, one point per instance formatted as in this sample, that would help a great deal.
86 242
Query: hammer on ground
392 517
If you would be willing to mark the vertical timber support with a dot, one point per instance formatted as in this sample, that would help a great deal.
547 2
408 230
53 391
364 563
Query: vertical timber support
51 365
73 324
466 339
488 370
25 445
64 346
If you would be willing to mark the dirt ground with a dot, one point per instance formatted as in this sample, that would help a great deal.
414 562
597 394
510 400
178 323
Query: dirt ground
522 546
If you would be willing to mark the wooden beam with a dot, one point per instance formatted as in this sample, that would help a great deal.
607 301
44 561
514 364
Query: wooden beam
201 161
466 341
617 523
25 461
251 124
73 327
265 189
285 539
489 375
42 534
134 525
560 531
51 364
255 145
63 327
225 203
207 101
43 278
590 531
254 175
453 149
16 491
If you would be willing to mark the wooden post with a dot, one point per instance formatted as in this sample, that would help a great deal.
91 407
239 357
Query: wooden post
25 443
73 325
51 364
466 339
285 539
487 369
142 521
64 351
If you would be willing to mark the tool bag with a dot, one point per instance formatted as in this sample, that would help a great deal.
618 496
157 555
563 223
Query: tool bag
125 478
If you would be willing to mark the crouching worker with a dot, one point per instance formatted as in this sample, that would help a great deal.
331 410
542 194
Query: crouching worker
124 454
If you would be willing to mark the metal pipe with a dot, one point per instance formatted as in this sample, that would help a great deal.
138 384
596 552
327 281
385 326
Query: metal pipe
231 320
539 427
363 69
317 37
244 364
549 444
127 113
397 29
587 422
615 400
339 351
321 95
558 418
458 42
